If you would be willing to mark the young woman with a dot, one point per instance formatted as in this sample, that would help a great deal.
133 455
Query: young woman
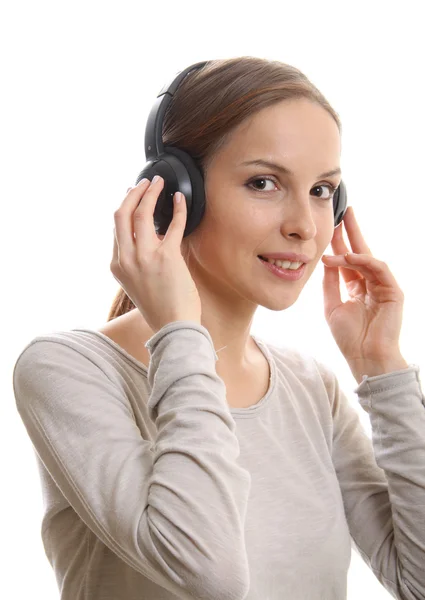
180 456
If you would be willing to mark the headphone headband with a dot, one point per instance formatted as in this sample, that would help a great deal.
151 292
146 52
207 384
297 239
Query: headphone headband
180 170
154 146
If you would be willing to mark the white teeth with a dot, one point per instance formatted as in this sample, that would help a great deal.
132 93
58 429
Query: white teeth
285 264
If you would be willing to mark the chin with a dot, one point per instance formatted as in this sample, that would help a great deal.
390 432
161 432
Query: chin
279 304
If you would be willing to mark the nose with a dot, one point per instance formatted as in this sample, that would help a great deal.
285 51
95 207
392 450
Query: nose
298 220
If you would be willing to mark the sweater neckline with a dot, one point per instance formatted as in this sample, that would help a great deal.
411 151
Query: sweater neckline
247 411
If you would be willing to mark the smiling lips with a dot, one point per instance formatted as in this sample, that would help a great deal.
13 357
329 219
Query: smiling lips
288 274
291 256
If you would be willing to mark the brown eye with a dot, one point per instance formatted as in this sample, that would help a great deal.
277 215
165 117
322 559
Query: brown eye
262 181
331 188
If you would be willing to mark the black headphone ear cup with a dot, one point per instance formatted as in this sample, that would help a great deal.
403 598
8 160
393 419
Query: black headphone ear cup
197 205
340 203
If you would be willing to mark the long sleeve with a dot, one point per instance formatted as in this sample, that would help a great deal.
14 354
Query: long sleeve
175 511
382 480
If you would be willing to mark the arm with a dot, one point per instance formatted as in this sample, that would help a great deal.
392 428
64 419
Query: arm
174 512
383 481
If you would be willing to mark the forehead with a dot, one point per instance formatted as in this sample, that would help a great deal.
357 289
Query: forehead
289 127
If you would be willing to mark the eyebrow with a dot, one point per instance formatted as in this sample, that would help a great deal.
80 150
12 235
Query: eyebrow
265 163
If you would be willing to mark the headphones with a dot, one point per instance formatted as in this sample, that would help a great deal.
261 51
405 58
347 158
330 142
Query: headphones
181 173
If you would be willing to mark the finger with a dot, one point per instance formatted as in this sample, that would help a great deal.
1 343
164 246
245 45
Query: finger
123 218
377 268
340 249
352 272
175 231
331 290
356 239
338 243
373 269
144 227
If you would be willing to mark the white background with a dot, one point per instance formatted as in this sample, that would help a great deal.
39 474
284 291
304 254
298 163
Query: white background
78 80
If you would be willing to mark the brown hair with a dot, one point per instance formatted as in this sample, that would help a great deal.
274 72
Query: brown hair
212 101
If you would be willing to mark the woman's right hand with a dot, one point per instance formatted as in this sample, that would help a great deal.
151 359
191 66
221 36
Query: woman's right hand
151 270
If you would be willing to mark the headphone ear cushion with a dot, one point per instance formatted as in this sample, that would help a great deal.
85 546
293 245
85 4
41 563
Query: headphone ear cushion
196 178
197 207
340 204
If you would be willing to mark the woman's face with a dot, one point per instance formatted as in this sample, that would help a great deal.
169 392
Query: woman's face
247 215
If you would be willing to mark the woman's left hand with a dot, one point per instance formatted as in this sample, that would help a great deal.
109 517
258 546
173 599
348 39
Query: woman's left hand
367 326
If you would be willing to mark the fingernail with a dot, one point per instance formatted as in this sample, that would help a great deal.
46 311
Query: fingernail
142 181
155 179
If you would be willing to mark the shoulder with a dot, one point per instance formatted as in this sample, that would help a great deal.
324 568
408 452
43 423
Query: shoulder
296 364
58 356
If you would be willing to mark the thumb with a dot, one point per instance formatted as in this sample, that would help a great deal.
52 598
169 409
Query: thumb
331 289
